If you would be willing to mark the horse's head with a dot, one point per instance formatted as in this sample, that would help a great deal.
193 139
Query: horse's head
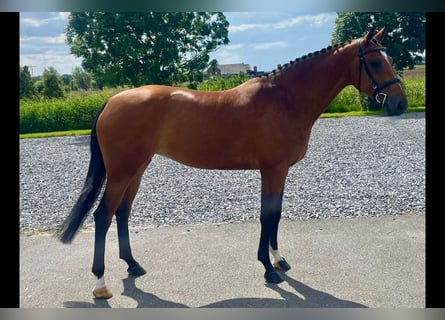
376 76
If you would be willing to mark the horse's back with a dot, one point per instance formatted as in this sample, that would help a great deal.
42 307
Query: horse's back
153 111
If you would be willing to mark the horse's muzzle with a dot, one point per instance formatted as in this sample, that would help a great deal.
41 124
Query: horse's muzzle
395 106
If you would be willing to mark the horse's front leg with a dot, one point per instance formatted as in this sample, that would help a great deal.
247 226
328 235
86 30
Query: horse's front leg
270 218
271 204
279 263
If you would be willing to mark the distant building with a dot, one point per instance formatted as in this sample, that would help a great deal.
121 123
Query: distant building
232 69
227 70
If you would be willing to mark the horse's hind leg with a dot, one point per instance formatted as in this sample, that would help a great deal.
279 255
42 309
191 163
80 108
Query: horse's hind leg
103 216
122 216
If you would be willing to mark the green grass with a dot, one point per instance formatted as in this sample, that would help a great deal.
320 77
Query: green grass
55 134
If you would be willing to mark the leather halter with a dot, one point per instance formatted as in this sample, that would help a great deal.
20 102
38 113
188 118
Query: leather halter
379 96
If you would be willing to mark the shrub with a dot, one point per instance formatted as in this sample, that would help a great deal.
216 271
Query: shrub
415 91
75 112
347 100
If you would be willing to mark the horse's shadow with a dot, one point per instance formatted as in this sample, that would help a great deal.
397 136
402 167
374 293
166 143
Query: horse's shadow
303 297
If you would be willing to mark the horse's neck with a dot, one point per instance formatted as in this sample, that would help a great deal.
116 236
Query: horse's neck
313 83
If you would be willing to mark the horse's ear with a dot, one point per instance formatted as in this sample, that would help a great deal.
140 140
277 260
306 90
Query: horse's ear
379 35
370 35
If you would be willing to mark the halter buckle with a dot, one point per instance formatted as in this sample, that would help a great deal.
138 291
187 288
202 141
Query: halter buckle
384 95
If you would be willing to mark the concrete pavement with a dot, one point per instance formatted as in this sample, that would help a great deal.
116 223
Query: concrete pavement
375 262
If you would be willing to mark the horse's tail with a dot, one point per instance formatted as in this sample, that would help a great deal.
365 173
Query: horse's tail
90 191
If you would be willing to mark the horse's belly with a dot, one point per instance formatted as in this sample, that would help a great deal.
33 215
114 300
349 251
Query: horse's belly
209 155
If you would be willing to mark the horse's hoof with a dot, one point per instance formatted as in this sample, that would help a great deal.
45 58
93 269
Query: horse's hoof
136 270
273 277
282 265
102 293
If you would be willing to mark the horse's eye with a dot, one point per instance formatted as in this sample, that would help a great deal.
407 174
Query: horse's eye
375 64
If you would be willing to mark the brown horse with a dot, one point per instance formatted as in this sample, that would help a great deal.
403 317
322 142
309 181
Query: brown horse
263 124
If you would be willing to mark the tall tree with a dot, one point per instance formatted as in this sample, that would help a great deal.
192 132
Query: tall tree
142 48
81 78
27 89
53 85
404 40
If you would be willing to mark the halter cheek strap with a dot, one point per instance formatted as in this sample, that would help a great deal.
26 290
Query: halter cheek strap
379 96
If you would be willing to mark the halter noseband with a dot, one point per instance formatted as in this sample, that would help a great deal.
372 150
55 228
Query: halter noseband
377 87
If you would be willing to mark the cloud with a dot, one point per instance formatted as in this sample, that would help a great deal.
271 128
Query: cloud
37 20
323 19
33 22
60 39
232 47
270 45
30 45
246 53
310 20
64 64
229 54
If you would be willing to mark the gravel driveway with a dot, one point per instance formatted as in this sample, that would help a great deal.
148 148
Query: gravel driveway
354 166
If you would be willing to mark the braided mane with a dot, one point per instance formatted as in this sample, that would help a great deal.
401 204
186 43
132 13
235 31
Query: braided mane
305 57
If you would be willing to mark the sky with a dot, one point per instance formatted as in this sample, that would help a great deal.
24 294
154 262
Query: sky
261 39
